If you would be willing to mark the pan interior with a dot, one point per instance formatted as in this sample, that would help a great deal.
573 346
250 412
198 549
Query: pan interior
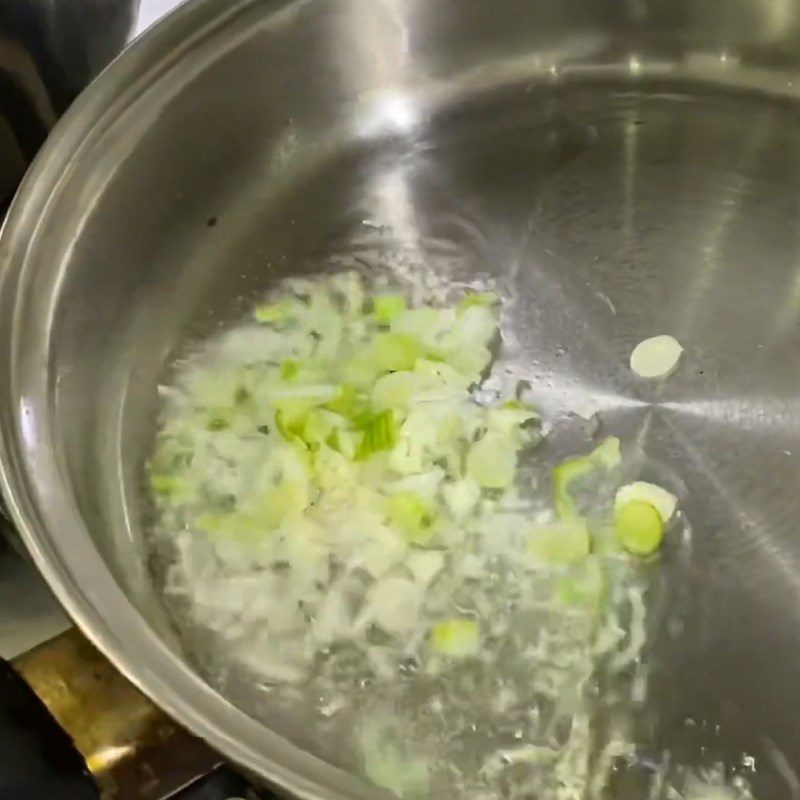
609 203
610 212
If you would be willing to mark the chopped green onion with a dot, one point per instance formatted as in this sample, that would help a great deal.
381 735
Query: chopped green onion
395 390
461 497
287 500
308 394
271 313
387 307
361 368
583 585
563 477
474 327
396 352
316 428
640 529
469 361
656 357
423 324
167 485
289 427
236 527
345 442
406 457
348 402
663 501
607 453
380 433
604 456
289 369
457 638
514 419
560 542
413 515
492 462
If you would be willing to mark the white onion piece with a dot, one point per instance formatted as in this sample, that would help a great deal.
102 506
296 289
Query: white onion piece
663 501
332 620
656 357
425 565
393 604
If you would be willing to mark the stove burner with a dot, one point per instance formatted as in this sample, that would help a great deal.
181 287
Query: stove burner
72 728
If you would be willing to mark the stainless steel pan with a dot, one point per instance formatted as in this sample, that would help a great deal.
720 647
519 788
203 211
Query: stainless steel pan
629 167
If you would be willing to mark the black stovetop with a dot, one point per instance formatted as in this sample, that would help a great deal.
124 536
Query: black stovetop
223 784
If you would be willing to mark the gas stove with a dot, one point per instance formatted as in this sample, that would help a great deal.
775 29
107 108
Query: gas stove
118 746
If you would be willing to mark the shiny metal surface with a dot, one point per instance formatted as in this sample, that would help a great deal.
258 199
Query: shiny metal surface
625 168
48 53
